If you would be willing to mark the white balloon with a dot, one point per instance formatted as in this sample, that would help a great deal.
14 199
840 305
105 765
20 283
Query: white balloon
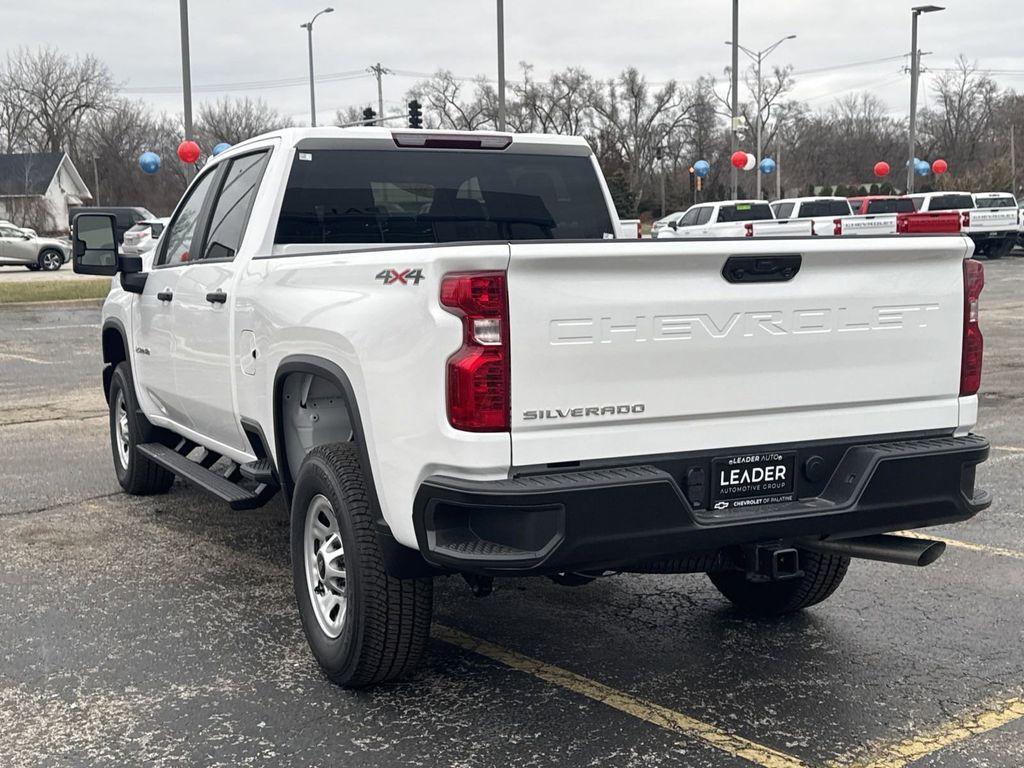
751 162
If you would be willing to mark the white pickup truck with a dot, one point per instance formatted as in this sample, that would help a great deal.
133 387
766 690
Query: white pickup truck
733 218
426 344
821 211
994 230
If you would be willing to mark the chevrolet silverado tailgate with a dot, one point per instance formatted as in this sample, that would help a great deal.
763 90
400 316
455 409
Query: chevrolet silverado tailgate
636 349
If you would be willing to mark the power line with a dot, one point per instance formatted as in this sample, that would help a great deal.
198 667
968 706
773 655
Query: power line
248 85
850 65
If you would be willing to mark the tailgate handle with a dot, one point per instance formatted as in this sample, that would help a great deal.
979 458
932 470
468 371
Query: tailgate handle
761 269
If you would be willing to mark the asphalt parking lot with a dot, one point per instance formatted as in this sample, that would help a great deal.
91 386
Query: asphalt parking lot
162 631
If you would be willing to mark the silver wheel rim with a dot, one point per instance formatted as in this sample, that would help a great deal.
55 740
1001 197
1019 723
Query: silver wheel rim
51 261
122 434
324 557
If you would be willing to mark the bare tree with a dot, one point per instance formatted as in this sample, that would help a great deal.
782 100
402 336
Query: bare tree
636 122
234 120
446 107
57 93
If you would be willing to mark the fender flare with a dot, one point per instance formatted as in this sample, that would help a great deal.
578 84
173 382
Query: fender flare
108 368
400 561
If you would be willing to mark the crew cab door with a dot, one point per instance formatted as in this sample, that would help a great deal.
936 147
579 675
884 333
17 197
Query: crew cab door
202 317
154 341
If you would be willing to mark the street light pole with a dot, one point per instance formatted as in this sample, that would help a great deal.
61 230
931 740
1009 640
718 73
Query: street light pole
915 69
758 57
308 26
501 65
734 175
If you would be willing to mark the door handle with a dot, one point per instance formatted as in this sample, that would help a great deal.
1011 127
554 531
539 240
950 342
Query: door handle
165 295
217 297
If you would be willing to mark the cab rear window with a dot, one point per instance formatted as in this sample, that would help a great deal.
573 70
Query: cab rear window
424 196
813 208
897 205
950 202
745 212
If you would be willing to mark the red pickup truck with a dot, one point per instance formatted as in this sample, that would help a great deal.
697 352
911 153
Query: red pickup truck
880 204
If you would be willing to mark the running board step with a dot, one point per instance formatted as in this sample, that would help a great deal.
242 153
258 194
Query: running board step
221 487
260 471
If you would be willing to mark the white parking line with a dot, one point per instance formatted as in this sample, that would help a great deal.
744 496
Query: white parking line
24 358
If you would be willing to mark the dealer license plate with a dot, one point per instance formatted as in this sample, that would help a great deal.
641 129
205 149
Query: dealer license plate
751 479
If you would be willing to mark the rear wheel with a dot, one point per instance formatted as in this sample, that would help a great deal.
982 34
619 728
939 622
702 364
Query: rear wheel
363 625
822 575
32 267
1000 249
128 428
50 260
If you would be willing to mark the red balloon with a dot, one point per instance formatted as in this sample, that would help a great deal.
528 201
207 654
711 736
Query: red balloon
881 169
738 159
940 166
188 152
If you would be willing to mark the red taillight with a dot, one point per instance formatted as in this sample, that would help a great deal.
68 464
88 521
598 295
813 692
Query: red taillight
837 227
965 219
748 230
478 373
639 231
974 344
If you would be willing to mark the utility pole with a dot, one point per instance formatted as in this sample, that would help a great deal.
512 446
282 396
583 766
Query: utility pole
1013 163
186 68
915 69
734 174
778 166
308 26
501 65
379 71
96 178
661 157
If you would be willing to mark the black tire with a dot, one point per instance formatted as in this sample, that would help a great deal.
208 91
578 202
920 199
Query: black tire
136 474
51 260
387 620
32 267
822 576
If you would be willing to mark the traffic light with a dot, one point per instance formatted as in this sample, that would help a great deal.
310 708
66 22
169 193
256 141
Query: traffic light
415 114
369 117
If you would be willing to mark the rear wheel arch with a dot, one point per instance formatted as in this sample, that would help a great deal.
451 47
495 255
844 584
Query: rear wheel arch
322 381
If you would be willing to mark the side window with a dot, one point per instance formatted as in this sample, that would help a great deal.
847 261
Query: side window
917 201
783 210
689 218
704 216
234 202
182 229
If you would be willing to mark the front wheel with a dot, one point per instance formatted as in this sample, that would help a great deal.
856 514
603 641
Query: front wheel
822 575
128 428
51 261
363 625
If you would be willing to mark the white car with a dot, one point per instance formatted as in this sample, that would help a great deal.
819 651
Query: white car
665 222
21 247
143 236
425 342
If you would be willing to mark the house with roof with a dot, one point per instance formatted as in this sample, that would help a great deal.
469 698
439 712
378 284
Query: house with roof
38 188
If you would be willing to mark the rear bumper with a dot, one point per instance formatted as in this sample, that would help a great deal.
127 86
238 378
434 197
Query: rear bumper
622 516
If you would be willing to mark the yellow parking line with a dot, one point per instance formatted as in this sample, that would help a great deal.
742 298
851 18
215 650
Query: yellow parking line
652 713
910 750
970 546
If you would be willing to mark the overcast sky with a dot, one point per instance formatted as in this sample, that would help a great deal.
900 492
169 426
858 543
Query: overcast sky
239 42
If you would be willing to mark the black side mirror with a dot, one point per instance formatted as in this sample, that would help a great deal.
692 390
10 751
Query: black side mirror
674 225
95 244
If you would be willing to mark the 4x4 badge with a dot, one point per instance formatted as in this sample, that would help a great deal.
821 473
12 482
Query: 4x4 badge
402 276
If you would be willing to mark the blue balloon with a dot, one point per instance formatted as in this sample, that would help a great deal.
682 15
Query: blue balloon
921 168
767 165
702 168
220 148
149 162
